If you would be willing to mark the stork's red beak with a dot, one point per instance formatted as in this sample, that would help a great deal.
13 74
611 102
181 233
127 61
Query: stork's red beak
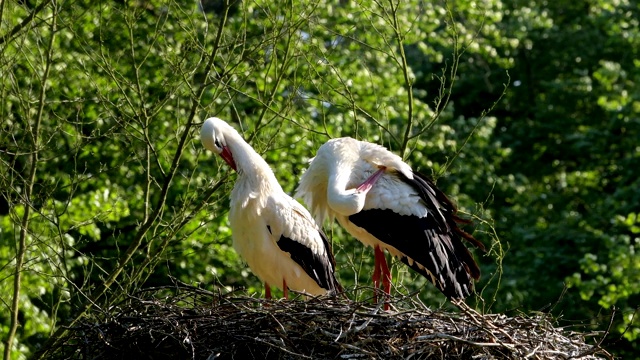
368 184
226 155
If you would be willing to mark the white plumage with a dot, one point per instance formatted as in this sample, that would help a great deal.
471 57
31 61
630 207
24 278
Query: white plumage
273 233
383 203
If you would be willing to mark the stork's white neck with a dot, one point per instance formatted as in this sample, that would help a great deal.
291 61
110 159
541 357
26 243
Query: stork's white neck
342 200
251 167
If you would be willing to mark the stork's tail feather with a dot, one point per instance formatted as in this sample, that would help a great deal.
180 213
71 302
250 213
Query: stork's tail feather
454 285
463 234
452 210
334 284
445 215
336 288
424 245
454 276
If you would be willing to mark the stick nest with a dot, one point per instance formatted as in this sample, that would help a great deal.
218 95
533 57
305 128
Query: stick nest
191 323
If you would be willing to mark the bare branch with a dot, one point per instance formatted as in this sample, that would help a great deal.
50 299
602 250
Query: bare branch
34 134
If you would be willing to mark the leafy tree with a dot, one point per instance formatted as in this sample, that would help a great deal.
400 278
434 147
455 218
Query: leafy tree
565 188
105 188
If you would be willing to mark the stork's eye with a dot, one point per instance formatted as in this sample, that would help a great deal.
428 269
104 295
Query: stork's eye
217 143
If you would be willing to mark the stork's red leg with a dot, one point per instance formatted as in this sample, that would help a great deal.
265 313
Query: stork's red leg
267 291
386 274
379 256
376 274
285 289
386 280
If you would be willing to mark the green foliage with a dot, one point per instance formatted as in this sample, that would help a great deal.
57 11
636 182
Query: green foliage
568 125
524 112
612 279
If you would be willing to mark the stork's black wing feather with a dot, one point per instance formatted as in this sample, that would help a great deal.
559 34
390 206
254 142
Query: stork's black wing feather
427 250
320 268
424 186
432 244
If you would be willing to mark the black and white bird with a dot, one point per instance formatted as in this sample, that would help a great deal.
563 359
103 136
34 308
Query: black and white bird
274 234
383 203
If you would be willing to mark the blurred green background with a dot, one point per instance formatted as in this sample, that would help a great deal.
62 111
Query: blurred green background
526 113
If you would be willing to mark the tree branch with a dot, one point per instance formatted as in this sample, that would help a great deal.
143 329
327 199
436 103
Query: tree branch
55 338
22 242
16 29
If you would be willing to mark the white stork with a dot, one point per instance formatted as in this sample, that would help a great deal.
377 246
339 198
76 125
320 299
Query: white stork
273 233
383 203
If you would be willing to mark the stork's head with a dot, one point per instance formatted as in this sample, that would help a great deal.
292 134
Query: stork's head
212 135
338 179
